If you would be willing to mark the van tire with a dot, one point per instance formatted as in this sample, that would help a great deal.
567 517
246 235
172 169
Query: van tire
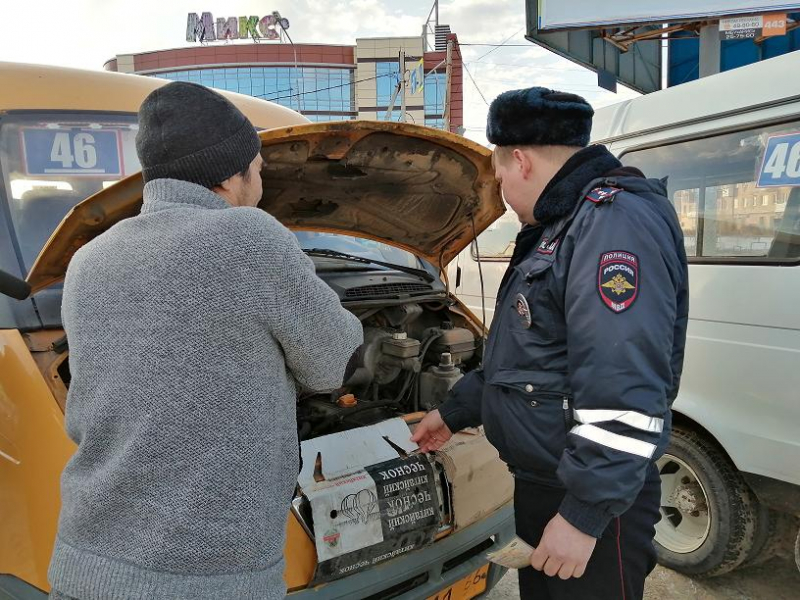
732 513
766 537
774 536
797 551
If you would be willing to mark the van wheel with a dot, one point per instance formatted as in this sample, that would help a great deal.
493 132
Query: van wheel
797 551
708 513
765 538
774 536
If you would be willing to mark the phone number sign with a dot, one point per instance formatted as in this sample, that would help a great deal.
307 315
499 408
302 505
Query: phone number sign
781 164
86 152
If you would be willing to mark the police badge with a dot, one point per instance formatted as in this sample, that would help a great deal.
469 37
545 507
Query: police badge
523 310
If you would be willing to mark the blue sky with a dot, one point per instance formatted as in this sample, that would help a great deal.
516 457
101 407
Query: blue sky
86 33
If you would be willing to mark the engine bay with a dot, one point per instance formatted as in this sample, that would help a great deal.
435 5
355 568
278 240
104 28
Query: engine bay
413 354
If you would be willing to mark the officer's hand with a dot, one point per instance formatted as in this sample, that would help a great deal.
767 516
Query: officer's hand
563 550
431 433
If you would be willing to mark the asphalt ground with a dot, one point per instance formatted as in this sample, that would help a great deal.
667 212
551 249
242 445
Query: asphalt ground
776 579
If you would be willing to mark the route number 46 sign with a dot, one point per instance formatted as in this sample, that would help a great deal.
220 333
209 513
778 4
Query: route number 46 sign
781 164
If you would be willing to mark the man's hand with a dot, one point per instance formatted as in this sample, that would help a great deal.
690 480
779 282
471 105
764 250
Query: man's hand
431 433
563 550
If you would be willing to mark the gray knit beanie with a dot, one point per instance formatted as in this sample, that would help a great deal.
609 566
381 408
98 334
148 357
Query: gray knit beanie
192 133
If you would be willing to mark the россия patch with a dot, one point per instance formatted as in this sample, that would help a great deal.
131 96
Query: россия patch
618 279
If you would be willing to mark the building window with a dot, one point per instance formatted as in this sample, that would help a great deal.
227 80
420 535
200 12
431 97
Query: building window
396 114
313 89
435 93
387 77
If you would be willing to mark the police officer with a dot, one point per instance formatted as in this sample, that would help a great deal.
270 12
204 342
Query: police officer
584 356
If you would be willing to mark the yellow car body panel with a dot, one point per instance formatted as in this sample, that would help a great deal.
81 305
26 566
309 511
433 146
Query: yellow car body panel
33 451
34 448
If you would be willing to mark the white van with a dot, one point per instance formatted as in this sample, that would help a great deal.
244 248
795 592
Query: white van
730 148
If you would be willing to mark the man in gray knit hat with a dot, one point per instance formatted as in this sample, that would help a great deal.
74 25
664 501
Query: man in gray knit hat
190 326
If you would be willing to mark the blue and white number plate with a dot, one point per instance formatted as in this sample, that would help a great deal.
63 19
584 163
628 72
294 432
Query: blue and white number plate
78 151
781 164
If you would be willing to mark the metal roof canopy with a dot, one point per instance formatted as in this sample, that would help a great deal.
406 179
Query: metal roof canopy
639 68
589 14
612 49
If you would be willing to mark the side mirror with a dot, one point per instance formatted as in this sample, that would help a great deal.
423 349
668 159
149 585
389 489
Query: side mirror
13 286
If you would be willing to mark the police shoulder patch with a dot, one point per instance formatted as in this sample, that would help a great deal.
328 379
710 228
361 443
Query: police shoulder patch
618 279
603 195
547 246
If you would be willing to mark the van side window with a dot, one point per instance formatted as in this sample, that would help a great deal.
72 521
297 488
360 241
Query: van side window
737 195
497 242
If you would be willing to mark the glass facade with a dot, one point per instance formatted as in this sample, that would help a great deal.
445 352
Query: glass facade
387 76
437 123
434 94
381 114
320 93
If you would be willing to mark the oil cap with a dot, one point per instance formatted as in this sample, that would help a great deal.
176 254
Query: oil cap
446 361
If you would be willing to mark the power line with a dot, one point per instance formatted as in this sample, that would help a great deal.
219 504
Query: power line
472 62
332 87
475 84
563 86
531 45
501 44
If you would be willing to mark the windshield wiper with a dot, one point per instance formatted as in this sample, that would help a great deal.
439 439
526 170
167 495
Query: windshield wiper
325 253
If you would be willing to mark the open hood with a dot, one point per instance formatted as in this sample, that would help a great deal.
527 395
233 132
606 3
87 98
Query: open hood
417 188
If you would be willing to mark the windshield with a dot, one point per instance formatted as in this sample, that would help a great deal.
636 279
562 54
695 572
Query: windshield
361 247
50 162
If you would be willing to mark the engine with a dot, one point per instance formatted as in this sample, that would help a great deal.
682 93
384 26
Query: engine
412 355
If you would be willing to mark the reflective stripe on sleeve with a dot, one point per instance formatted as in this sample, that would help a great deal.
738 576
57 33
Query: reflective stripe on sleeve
614 440
628 417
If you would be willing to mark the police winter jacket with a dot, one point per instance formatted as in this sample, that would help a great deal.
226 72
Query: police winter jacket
585 353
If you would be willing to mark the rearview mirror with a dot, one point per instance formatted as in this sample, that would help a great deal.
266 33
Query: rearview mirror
14 286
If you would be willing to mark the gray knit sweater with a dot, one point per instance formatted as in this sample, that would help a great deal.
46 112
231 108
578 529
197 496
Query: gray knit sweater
190 327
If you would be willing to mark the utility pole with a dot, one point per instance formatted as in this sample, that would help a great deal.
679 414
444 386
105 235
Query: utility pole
403 86
448 82
390 110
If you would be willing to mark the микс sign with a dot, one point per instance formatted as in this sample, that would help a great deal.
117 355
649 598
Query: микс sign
205 29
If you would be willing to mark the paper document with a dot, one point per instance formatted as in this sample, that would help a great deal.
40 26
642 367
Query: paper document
514 555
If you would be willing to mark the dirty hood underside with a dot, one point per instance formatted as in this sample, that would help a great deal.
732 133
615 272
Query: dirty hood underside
417 188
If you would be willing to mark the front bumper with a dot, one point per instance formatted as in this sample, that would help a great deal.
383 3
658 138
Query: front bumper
415 576
421 574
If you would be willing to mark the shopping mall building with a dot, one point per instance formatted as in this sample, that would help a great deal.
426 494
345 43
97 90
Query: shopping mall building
323 82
